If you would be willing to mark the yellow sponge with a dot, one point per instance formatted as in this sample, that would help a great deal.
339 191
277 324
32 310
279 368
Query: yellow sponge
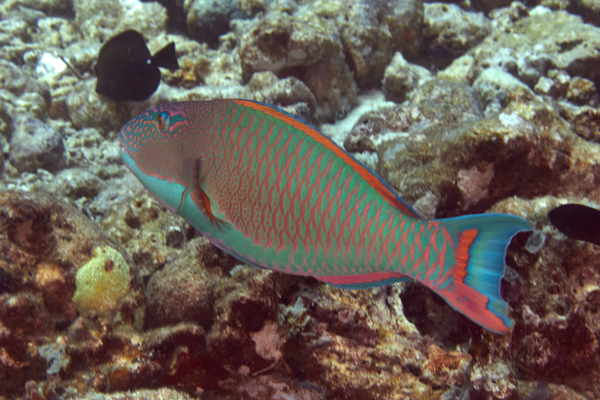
102 281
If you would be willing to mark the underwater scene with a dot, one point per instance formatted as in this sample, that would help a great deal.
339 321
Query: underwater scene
299 199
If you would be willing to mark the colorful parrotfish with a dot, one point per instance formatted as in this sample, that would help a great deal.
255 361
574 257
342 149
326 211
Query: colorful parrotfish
276 193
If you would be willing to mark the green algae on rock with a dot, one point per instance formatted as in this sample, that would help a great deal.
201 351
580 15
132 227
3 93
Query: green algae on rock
102 281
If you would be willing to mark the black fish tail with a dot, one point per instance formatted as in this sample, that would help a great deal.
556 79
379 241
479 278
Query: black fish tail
166 57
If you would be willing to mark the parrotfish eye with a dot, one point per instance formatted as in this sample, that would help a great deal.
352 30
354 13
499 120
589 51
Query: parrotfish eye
163 121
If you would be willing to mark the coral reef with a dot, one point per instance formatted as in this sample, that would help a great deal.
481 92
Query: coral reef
461 107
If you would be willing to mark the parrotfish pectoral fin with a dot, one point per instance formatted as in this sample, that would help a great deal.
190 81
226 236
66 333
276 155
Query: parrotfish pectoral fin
200 198
472 285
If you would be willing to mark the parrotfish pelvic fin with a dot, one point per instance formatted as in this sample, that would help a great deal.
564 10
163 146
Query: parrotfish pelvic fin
182 201
200 198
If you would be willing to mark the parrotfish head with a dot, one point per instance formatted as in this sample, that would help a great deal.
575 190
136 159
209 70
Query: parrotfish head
151 146
153 126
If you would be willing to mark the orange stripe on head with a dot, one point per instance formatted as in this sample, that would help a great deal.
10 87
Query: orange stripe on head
367 175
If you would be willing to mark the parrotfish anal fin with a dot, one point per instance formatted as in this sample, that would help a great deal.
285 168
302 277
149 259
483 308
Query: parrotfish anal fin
200 198
363 281
237 255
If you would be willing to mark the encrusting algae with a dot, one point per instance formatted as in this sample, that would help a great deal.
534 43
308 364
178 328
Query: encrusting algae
102 281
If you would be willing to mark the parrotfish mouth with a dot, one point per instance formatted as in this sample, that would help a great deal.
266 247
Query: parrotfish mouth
124 148
128 161
126 153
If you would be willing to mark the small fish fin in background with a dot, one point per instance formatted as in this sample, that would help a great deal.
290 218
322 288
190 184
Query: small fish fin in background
127 71
165 58
473 284
577 221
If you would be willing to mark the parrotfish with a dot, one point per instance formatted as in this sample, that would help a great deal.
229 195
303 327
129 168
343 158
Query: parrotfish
276 193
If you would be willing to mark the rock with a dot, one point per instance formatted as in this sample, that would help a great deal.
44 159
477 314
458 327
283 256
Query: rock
461 70
181 291
290 94
582 91
76 183
401 77
493 381
273 386
131 215
12 78
5 281
450 32
540 389
495 86
342 330
590 11
585 123
100 22
360 137
87 109
542 41
176 15
6 119
331 82
555 84
357 142
208 20
34 145
411 162
373 31
244 303
489 5
14 35
279 42
48 7
145 394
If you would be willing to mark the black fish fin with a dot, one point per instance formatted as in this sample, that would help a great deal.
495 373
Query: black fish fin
577 221
166 57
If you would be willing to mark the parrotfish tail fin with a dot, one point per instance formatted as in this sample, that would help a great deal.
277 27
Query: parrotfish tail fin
166 57
472 284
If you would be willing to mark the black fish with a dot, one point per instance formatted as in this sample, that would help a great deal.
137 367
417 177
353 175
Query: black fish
577 222
127 71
